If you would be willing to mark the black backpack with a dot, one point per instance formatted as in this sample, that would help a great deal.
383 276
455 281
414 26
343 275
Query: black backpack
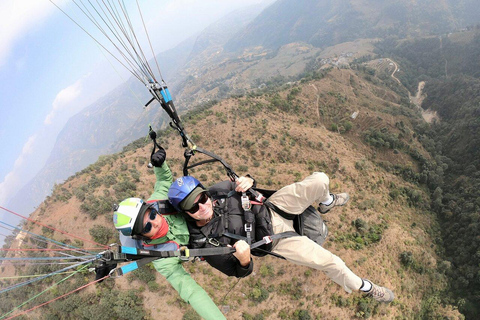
309 223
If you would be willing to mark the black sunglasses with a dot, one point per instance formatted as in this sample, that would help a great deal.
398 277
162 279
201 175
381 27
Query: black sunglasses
203 199
148 226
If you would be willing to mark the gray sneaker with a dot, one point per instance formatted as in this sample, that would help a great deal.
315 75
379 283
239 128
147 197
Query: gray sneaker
381 294
339 199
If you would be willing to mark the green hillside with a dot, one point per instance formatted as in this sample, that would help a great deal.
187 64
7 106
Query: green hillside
388 232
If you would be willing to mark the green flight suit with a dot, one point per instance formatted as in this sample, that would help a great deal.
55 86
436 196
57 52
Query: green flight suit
171 268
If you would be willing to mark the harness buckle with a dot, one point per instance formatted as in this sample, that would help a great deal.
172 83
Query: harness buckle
260 197
213 242
246 204
184 253
248 227
267 239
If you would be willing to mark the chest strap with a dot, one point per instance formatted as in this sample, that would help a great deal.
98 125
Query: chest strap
249 218
265 240
247 213
142 257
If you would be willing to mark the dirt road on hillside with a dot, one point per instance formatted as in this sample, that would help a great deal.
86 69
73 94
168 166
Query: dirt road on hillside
395 70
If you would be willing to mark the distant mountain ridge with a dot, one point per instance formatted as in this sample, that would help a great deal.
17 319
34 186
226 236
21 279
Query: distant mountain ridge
325 22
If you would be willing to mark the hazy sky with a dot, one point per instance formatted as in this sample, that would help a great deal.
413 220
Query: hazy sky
50 69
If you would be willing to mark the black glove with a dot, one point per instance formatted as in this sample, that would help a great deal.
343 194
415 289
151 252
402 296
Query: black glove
158 158
103 270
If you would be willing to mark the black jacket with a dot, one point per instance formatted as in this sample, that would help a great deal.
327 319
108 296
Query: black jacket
228 216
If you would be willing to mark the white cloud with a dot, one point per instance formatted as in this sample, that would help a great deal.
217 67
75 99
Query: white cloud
63 99
14 180
28 146
38 146
18 17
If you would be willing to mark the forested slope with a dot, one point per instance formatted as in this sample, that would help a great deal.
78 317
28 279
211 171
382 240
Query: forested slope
451 69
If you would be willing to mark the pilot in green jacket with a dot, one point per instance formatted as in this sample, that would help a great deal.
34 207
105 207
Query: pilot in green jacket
152 225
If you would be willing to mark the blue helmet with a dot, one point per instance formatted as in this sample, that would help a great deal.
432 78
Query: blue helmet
181 189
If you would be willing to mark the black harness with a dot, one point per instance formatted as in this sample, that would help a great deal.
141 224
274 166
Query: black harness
257 225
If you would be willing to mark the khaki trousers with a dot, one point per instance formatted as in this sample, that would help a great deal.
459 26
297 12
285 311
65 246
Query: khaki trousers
294 199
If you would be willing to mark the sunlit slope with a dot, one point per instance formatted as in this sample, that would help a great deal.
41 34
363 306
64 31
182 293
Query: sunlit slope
386 233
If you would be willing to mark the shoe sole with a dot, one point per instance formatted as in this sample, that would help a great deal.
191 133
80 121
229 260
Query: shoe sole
337 205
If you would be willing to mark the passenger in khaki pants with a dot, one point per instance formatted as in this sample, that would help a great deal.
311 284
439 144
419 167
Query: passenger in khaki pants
294 199
209 211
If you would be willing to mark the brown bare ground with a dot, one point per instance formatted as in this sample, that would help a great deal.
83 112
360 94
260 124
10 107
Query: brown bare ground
294 150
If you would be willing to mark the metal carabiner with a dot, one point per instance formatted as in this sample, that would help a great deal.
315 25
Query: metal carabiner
213 242
114 273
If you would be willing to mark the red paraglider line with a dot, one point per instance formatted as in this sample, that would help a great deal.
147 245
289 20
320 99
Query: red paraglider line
64 295
62 232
